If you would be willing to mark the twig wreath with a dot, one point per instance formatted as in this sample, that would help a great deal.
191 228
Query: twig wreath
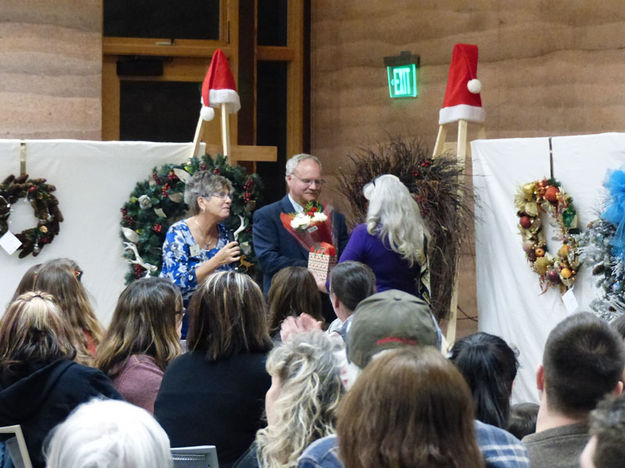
45 205
157 203
532 201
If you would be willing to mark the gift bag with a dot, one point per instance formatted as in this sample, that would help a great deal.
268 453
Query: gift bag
321 260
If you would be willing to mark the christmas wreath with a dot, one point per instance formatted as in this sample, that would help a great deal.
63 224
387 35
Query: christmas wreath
45 205
532 201
157 203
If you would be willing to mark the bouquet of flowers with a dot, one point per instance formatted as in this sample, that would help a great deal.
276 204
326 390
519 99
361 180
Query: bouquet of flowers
313 230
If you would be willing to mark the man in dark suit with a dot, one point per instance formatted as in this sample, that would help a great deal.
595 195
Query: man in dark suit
275 247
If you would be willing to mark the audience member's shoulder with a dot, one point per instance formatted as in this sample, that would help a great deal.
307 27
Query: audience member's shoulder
323 453
500 448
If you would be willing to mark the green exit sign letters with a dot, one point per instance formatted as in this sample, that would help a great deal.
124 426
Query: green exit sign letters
401 72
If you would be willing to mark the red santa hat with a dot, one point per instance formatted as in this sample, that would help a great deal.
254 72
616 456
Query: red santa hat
462 97
219 88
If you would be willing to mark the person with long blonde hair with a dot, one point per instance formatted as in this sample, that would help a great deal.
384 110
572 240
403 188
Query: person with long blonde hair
40 383
302 402
60 278
393 240
143 337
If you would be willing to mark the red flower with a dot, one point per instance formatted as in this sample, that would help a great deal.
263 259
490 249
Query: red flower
203 167
157 228
216 170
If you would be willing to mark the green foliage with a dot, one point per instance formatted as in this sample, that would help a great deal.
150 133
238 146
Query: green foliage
156 203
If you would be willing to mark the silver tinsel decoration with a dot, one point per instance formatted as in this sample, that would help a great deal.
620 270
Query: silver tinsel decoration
595 248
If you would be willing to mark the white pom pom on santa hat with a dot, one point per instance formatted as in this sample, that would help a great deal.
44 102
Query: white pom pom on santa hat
474 86
207 113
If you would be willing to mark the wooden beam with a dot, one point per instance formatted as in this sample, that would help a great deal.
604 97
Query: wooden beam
160 47
246 153
275 53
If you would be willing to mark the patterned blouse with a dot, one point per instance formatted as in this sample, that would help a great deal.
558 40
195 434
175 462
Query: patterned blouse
182 255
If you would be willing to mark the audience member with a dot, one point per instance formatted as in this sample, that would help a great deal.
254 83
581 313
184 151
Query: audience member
410 407
489 366
606 447
582 362
143 337
293 291
27 283
214 394
60 278
522 420
393 241
350 283
395 319
301 404
108 434
40 384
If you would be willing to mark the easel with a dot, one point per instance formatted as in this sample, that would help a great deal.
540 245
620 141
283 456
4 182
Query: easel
461 148
233 153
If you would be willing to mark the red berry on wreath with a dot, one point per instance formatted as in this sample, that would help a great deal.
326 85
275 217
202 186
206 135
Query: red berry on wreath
553 276
551 194
525 221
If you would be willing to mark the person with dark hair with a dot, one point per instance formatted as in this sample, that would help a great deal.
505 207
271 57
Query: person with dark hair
293 292
522 419
350 283
214 394
143 337
197 246
421 415
606 446
60 278
40 383
583 362
489 366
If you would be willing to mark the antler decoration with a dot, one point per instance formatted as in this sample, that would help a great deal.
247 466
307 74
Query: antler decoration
138 260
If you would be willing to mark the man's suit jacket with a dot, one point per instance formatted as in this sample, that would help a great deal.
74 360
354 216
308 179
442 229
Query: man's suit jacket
276 248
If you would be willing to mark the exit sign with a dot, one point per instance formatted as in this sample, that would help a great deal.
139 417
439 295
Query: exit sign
401 71
402 81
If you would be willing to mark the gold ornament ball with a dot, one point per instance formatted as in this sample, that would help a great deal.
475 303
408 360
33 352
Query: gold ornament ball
564 251
540 252
541 264
565 273
43 229
528 189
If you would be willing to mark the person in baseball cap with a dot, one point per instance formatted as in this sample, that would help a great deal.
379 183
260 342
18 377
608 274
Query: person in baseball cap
388 320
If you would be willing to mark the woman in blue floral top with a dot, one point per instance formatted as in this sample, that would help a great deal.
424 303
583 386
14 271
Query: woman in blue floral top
197 246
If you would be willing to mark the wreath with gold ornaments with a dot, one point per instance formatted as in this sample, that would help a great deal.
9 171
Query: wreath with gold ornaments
45 206
545 197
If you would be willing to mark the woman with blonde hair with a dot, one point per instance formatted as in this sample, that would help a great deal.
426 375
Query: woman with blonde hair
60 278
410 407
302 402
214 393
393 241
40 384
143 337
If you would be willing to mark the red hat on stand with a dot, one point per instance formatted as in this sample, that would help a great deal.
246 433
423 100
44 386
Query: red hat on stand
219 88
462 97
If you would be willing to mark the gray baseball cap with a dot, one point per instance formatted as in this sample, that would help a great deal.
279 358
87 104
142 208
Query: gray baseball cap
388 320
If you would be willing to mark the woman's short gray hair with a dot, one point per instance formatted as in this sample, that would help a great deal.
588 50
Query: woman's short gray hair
204 184
292 162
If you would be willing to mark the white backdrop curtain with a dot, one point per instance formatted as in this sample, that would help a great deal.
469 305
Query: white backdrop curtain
93 181
510 302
